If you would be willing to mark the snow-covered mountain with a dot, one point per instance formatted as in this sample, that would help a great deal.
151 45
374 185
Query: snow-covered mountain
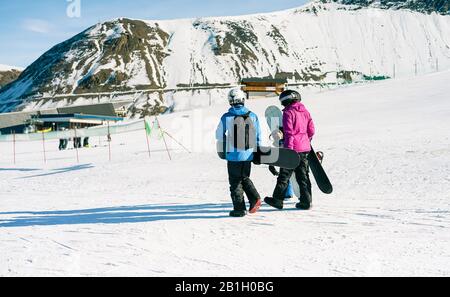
8 74
424 6
322 41
9 68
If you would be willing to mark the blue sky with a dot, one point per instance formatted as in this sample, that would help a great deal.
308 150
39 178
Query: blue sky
29 28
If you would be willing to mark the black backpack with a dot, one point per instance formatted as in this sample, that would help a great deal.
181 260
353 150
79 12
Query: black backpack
243 133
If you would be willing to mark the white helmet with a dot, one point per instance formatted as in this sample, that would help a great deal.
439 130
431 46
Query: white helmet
236 96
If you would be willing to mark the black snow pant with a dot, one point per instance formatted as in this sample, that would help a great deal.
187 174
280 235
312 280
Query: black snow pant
302 177
77 142
63 144
240 183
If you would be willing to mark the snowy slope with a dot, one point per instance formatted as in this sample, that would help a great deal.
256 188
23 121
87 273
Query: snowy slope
317 42
387 153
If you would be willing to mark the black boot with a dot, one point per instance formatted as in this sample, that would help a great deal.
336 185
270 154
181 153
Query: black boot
303 206
238 213
239 208
274 203
255 206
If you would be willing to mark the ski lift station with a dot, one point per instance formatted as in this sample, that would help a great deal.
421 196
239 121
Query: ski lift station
56 119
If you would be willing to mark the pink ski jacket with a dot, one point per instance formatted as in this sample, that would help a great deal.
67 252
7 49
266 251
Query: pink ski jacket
298 128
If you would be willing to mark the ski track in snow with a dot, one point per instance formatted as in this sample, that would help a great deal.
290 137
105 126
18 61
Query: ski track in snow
387 153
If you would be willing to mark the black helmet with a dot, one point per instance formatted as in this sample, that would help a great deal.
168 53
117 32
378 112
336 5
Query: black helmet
288 97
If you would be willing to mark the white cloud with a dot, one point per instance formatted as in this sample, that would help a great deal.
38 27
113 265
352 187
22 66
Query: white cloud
37 25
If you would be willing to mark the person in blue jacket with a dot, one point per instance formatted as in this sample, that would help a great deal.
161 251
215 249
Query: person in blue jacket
240 132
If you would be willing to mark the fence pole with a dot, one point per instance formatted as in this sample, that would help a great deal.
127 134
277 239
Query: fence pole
437 64
176 141
14 146
394 71
146 136
43 146
109 142
164 139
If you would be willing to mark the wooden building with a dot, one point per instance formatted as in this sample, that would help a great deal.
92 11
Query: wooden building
263 86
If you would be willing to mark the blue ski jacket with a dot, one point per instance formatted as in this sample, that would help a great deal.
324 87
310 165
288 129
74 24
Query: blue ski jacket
226 123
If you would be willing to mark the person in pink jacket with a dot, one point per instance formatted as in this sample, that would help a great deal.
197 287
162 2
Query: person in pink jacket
298 131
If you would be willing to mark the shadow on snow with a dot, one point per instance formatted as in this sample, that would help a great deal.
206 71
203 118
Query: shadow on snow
61 170
117 215
19 169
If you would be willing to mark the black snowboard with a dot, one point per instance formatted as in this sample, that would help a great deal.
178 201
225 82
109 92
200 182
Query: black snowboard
278 157
319 173
275 156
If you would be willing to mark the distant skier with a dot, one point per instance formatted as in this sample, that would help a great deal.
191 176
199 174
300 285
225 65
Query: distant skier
77 142
298 130
239 130
63 142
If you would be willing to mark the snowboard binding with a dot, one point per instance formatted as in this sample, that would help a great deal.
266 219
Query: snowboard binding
320 156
